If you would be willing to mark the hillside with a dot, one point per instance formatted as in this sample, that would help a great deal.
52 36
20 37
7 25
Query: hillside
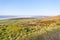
51 18
30 28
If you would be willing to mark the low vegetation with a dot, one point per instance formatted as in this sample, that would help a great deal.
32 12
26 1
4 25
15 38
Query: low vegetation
29 29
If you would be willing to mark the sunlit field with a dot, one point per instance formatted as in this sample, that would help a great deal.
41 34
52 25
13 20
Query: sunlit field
29 29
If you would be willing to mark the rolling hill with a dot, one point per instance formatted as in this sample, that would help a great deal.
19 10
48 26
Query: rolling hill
46 28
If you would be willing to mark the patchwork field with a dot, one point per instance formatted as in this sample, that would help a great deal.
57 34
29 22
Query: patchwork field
30 29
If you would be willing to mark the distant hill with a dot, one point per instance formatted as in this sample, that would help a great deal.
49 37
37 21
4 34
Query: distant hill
21 17
6 16
40 16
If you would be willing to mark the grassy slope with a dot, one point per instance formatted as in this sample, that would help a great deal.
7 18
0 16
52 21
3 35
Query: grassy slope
30 29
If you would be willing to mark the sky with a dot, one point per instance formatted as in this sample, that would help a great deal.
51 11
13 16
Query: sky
30 7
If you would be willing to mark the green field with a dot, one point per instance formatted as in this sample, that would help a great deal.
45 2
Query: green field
29 29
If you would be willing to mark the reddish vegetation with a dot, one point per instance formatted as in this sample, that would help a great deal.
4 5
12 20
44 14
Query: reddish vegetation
51 18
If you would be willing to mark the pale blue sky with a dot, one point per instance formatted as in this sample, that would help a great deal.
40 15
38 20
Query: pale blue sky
30 7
